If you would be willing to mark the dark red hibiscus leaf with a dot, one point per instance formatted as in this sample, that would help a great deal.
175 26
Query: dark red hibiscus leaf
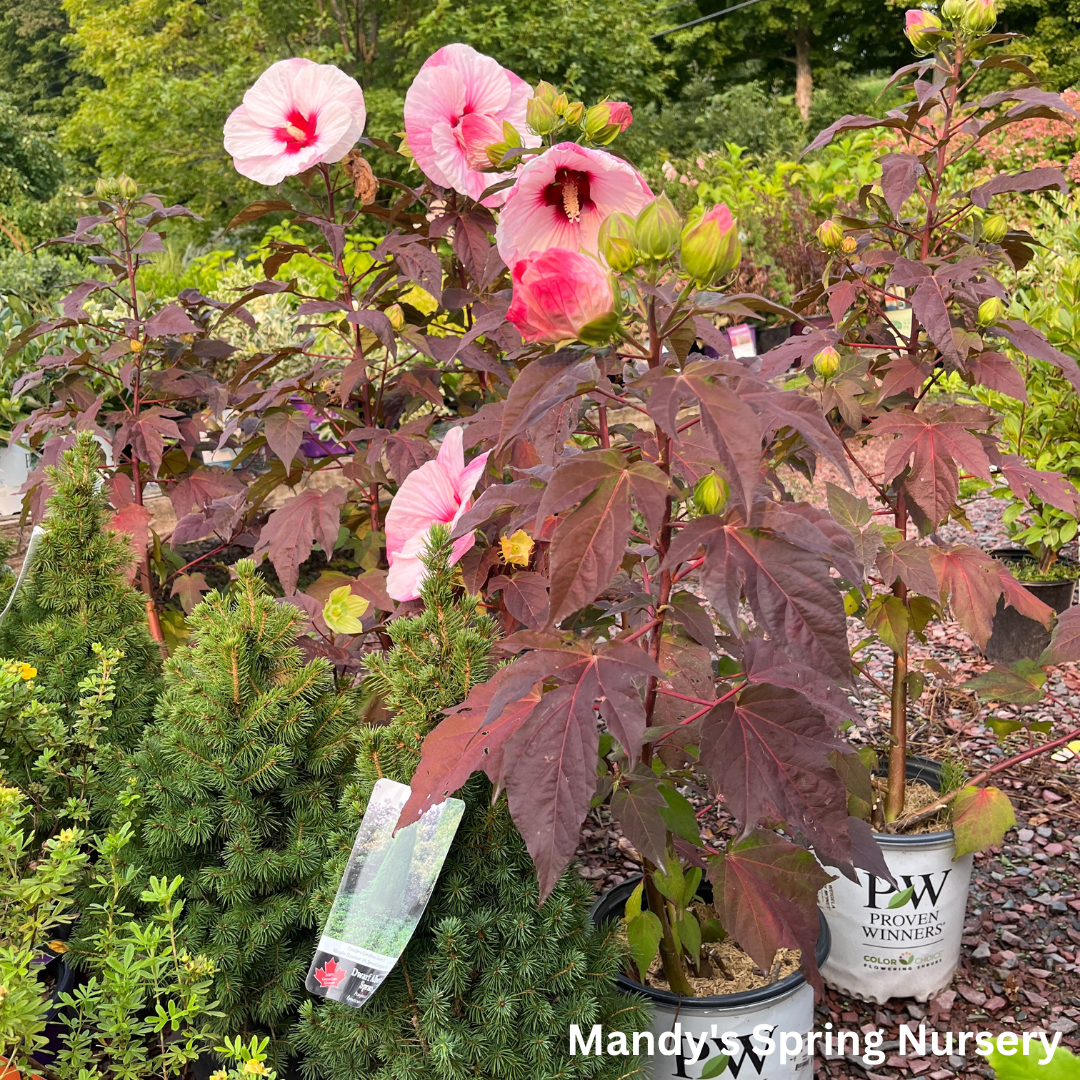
590 543
768 754
1064 647
765 894
637 810
910 562
766 662
201 488
525 595
285 430
1044 484
288 533
971 581
790 590
935 441
1023 600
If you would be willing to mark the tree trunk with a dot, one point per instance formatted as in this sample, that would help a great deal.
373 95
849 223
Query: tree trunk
804 79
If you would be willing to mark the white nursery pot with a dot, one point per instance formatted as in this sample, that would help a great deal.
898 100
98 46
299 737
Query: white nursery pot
906 952
785 1006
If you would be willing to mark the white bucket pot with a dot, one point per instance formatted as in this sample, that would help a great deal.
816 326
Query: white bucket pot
750 1019
905 952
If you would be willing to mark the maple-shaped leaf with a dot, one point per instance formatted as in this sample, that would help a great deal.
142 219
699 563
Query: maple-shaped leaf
290 530
1044 484
589 544
525 595
201 487
545 383
1014 595
765 662
971 582
169 321
285 430
146 435
997 372
1064 647
636 807
331 974
765 894
1022 683
935 441
768 755
980 819
909 561
190 587
791 591
134 521
1034 343
903 374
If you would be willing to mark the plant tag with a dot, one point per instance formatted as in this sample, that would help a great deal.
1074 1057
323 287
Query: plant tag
385 889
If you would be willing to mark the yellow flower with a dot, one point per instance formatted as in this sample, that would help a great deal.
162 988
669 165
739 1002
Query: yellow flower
342 611
27 672
221 1074
58 946
255 1068
516 549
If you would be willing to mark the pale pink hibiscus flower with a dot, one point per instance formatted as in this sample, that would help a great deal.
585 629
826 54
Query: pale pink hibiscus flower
297 115
562 296
454 111
561 198
440 491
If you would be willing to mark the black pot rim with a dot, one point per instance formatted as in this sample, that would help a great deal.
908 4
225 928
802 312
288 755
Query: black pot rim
1016 554
929 771
779 989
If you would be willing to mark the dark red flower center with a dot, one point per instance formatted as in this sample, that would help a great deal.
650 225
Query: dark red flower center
298 131
569 191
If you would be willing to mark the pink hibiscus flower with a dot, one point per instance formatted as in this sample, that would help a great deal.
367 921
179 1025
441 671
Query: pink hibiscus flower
439 491
454 110
561 198
297 115
562 296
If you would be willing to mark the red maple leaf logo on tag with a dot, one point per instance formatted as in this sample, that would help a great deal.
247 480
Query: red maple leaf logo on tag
331 975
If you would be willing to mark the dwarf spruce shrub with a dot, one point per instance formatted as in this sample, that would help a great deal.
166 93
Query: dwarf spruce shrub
243 772
491 980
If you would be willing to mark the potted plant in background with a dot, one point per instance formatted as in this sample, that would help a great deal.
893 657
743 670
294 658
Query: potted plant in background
925 231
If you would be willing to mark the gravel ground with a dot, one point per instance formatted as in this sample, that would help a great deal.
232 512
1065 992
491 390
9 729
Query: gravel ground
1020 964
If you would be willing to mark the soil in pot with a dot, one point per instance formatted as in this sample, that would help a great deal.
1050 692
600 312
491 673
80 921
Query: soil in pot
910 950
1014 636
688 1032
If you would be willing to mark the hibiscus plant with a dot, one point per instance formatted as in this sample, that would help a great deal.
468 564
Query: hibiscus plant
530 350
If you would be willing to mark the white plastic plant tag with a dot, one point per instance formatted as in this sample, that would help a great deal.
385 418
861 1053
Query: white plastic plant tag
385 888
28 561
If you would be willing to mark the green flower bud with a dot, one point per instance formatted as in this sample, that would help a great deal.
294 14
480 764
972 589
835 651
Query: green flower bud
991 311
107 187
573 112
710 246
994 228
546 92
827 362
979 17
830 235
128 188
599 331
541 116
923 29
952 11
615 242
657 229
604 122
560 104
711 494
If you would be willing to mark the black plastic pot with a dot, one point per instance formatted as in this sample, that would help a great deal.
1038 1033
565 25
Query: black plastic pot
768 337
66 978
1014 636
611 905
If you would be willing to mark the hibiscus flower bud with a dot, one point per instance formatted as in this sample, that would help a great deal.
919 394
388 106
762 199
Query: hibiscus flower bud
615 242
710 246
546 92
923 29
107 187
573 112
562 295
657 228
991 311
128 188
541 116
607 120
711 494
849 245
994 228
827 362
560 104
516 548
952 11
831 235
979 17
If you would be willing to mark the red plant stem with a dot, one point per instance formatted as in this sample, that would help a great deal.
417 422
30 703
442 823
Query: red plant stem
1035 751
643 630
894 799
605 438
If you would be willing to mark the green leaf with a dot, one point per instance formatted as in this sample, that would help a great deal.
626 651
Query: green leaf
679 816
670 881
633 905
1020 683
898 900
644 933
690 935
981 817
846 509
1002 728
1064 1065
888 618
690 886
714 1067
